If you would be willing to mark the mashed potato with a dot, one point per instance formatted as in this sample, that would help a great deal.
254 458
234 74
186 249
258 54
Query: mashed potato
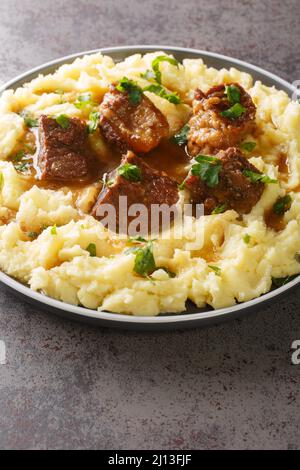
45 233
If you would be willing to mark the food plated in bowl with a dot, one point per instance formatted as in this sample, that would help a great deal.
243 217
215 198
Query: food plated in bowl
157 130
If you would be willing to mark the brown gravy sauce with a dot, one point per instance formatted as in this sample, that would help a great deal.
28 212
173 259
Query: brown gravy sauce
274 221
167 157
283 166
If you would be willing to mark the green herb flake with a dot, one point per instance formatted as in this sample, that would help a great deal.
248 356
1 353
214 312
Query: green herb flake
282 281
1 181
130 172
29 120
159 90
233 94
92 249
181 186
216 270
246 238
19 156
32 234
207 168
134 91
59 91
220 209
137 239
63 121
258 177
83 101
234 112
144 264
181 137
248 146
156 62
22 167
93 122
54 230
282 205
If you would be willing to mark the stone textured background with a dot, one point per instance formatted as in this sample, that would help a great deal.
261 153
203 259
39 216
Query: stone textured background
72 386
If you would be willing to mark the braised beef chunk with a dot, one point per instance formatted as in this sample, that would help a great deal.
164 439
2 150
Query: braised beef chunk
138 127
221 117
233 190
63 154
140 183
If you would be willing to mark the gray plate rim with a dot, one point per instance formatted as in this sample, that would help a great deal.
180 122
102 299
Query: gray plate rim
142 322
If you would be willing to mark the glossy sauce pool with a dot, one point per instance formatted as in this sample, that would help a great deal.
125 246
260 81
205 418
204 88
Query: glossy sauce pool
167 157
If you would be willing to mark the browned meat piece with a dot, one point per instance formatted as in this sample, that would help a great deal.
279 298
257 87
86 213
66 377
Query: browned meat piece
141 185
63 154
209 130
234 190
138 127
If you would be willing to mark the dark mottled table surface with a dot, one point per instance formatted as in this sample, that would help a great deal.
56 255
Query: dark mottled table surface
71 386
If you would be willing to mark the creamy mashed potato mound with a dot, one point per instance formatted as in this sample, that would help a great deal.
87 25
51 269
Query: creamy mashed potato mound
44 233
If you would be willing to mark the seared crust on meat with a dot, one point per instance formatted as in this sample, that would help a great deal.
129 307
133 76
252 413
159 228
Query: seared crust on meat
234 189
211 132
63 154
138 127
154 187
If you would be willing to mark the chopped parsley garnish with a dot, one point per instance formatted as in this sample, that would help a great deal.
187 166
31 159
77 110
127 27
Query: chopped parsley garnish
19 156
144 264
29 120
220 209
54 230
159 90
282 281
21 167
181 137
1 181
32 234
137 239
63 121
246 238
181 186
92 249
59 91
258 177
130 172
157 61
248 146
208 169
93 122
282 205
134 91
234 112
233 94
216 269
84 100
